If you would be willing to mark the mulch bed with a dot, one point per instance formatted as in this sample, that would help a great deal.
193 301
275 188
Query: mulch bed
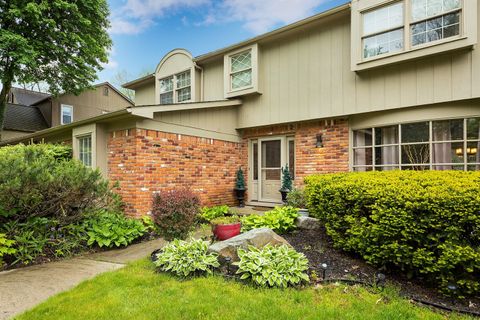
318 248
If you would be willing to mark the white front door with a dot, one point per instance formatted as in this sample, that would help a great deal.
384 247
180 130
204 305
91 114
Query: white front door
267 157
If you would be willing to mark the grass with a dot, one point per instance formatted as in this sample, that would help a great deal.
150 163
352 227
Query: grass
137 292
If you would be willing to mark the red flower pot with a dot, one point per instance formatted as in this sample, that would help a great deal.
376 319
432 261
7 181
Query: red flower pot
226 231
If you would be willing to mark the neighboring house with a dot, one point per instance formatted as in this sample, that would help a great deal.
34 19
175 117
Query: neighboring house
30 111
371 85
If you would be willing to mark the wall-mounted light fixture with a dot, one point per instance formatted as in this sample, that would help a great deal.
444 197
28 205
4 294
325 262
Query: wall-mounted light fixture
470 151
319 143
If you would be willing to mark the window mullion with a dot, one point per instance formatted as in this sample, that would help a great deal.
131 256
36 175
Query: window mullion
430 143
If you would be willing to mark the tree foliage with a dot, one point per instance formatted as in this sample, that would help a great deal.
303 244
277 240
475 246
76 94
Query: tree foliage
58 42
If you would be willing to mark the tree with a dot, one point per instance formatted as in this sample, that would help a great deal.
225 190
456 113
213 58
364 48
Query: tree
122 77
57 42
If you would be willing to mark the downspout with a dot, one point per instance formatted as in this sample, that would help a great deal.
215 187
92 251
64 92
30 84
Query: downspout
201 79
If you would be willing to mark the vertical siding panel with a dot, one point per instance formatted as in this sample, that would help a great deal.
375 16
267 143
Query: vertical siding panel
292 104
425 80
462 76
304 86
363 91
315 105
408 84
392 87
377 89
336 74
325 69
442 78
349 102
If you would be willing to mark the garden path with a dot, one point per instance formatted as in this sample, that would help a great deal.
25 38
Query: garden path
23 288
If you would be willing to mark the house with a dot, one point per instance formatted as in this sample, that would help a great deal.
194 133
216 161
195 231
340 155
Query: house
370 85
30 111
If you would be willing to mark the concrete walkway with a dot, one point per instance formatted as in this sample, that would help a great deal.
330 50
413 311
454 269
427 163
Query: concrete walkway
24 288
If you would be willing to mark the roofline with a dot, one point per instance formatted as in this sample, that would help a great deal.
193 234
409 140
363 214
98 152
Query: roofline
94 86
222 51
139 81
275 32
69 126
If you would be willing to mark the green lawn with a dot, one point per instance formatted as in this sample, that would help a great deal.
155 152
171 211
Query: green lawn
136 292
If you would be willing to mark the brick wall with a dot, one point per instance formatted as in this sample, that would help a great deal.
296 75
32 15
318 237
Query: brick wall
333 157
146 161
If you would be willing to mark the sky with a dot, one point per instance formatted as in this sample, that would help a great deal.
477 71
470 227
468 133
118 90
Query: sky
143 31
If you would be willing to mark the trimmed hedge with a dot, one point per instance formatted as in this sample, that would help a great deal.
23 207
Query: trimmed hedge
424 223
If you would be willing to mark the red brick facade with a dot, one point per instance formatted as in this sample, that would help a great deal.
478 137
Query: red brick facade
146 161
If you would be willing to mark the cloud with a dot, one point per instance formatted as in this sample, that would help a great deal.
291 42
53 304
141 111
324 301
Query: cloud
112 63
261 16
135 16
257 16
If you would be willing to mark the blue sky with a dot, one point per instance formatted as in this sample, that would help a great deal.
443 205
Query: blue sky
143 31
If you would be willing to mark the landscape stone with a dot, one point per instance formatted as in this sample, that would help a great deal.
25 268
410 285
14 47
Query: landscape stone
308 223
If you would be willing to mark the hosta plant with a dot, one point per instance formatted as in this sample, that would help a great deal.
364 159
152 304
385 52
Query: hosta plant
5 247
186 258
109 229
280 220
279 266
210 213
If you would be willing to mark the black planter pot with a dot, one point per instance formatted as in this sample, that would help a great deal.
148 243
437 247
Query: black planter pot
284 195
240 194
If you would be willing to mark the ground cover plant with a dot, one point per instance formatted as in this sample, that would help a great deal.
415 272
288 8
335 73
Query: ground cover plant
279 219
52 206
209 213
138 292
425 224
187 258
272 266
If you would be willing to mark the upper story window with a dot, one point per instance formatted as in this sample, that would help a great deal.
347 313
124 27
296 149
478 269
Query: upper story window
66 115
392 31
241 72
433 20
176 88
383 30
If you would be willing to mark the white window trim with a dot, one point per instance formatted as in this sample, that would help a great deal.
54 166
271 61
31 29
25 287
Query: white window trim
227 83
92 154
175 88
63 107
467 36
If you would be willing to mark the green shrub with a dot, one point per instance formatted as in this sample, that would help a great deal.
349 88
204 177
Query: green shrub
174 213
225 220
210 213
42 181
111 229
280 220
423 223
296 199
6 247
187 258
271 266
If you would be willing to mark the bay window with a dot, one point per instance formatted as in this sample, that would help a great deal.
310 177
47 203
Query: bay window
427 145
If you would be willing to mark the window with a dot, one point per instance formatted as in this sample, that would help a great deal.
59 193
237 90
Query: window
240 75
105 91
241 70
66 116
291 156
434 20
85 150
439 145
176 88
383 30
427 21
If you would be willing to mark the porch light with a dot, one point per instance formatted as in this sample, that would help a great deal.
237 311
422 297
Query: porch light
319 143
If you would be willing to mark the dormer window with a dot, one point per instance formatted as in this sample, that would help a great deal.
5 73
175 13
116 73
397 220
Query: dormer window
383 30
241 72
176 88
